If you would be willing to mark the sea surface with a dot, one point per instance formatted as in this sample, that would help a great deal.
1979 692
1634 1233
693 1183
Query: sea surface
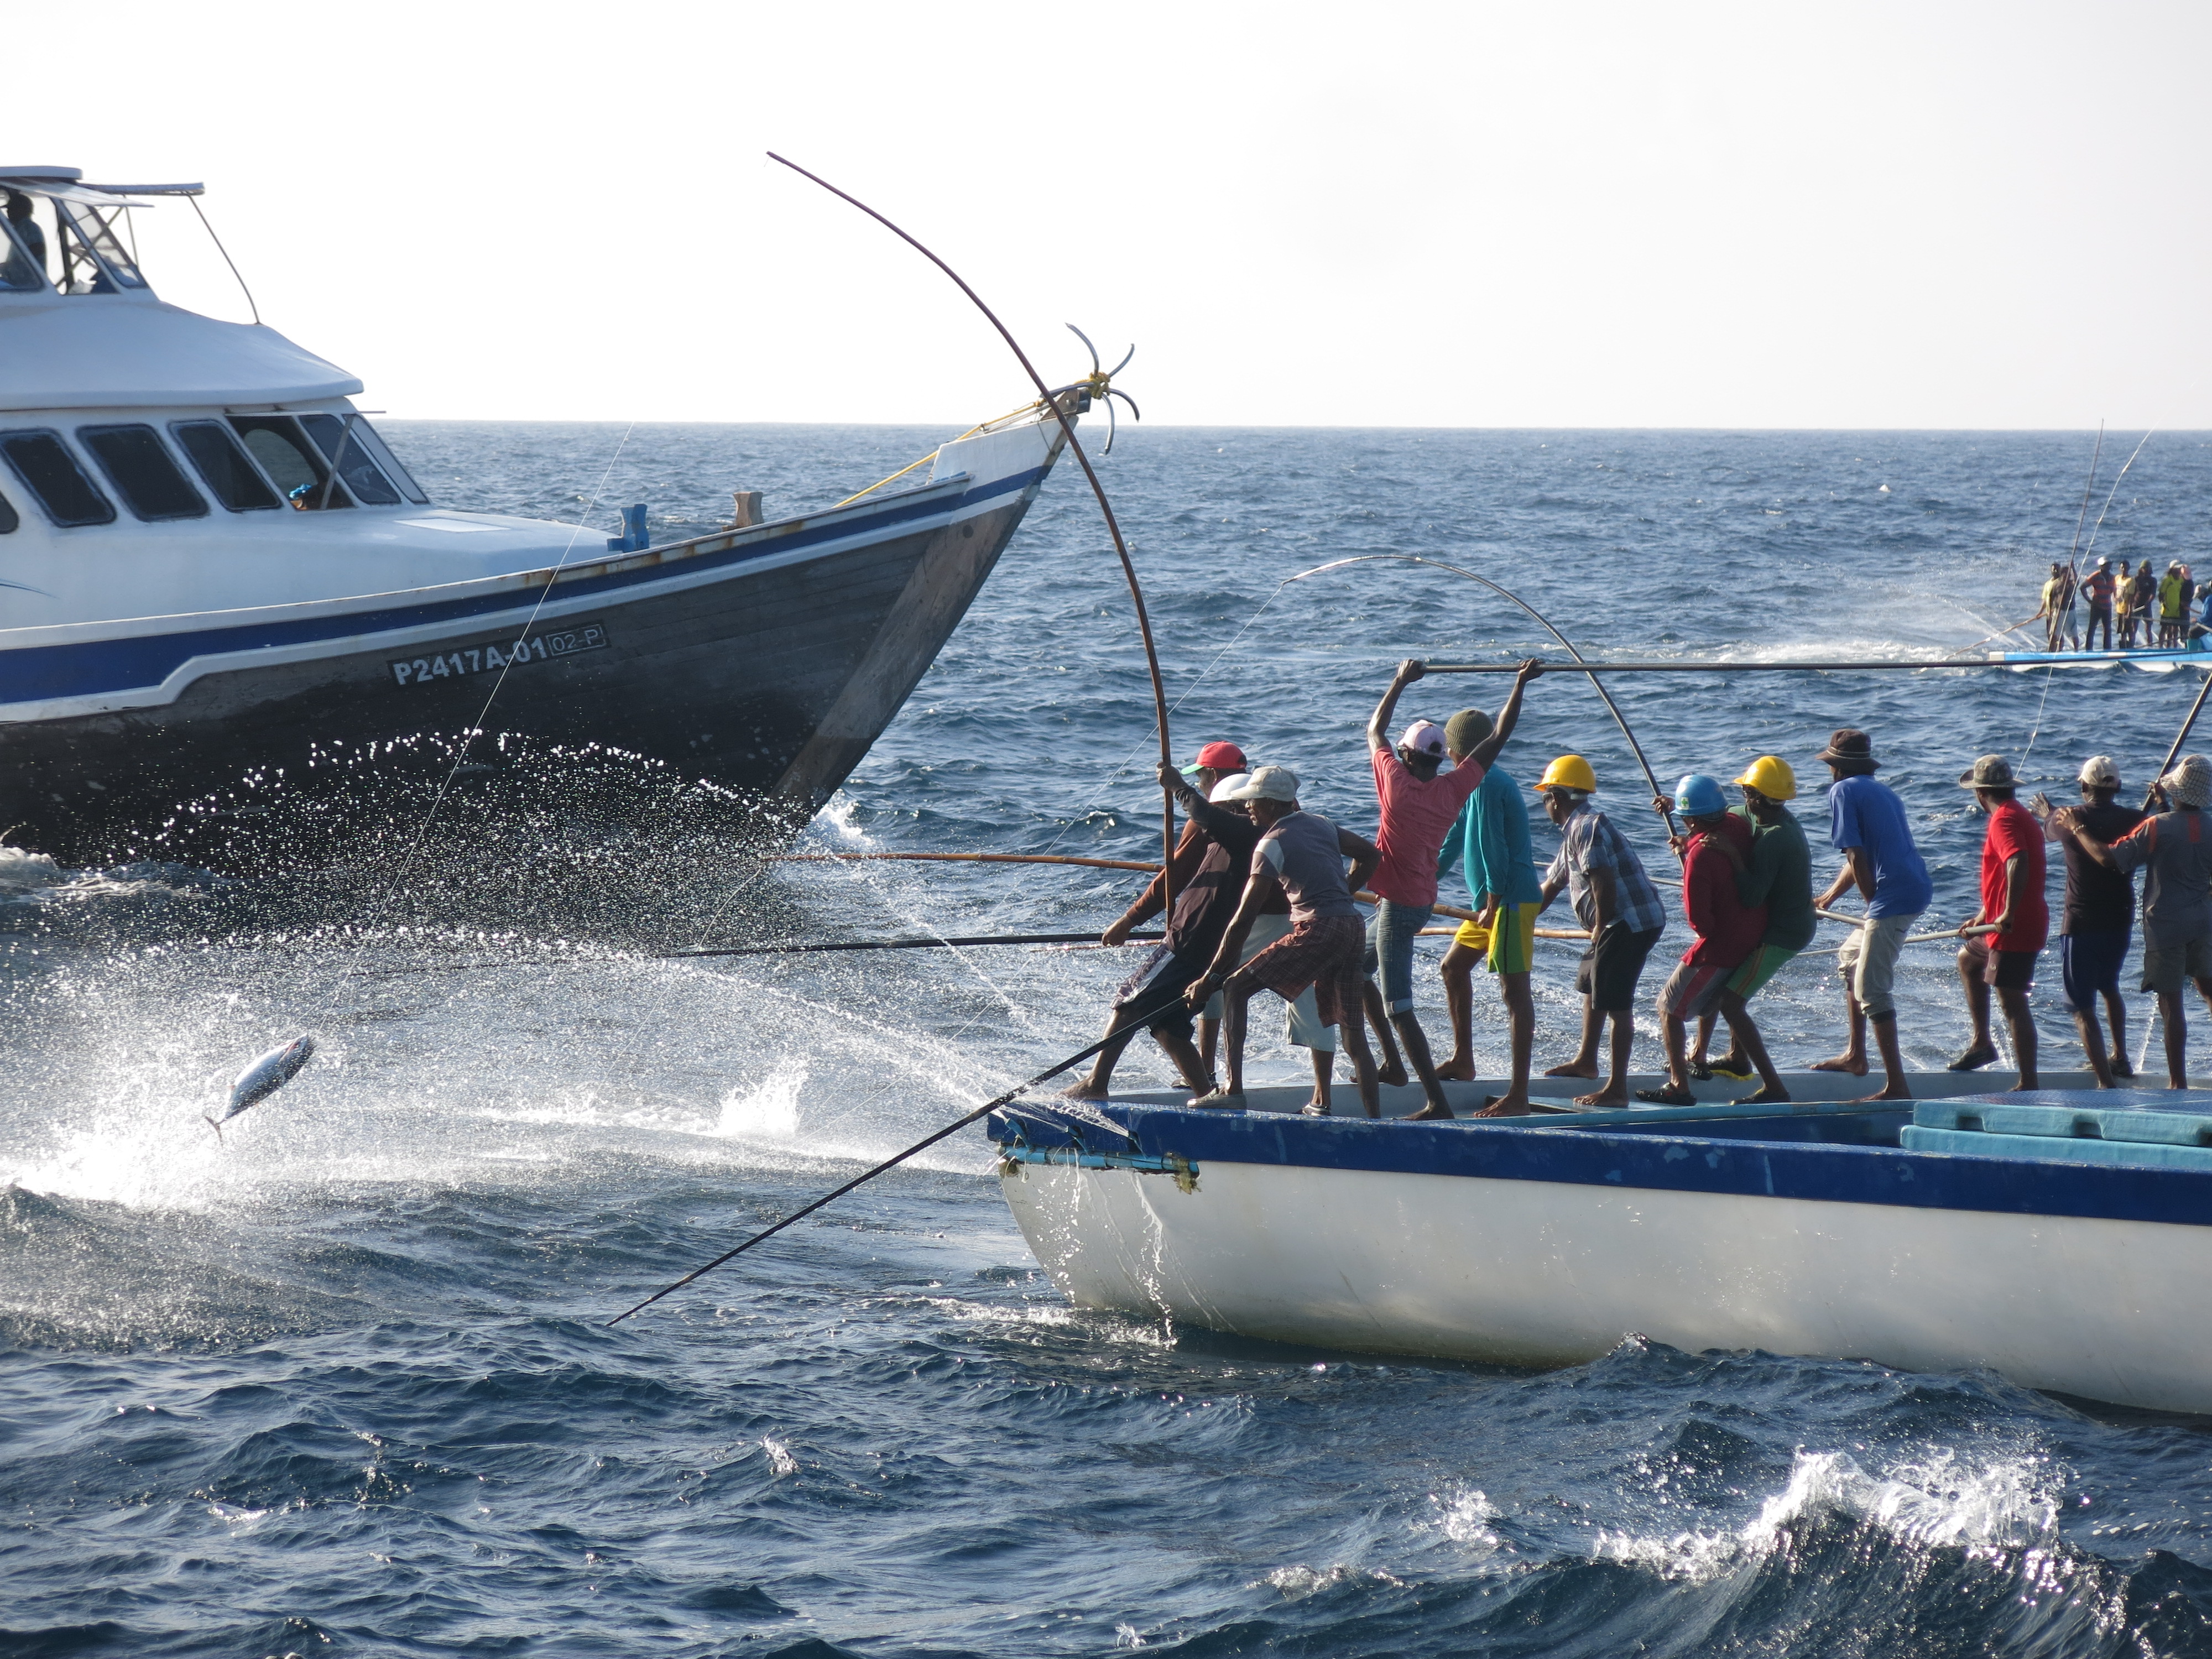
340 1382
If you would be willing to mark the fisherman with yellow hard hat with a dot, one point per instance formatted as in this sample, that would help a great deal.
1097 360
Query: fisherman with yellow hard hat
1615 899
1778 874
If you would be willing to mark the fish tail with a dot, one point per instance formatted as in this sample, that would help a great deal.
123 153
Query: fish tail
212 1124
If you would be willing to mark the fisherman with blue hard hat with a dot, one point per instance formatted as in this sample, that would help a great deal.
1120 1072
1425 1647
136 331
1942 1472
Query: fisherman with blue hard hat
1727 929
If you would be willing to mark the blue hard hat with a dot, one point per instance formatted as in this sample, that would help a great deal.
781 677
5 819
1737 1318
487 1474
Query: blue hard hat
1699 796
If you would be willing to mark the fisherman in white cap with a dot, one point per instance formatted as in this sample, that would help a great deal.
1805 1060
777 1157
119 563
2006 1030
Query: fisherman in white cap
2174 847
1301 854
1418 808
2097 923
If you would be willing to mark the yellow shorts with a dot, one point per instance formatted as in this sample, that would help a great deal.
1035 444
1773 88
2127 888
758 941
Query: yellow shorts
1510 947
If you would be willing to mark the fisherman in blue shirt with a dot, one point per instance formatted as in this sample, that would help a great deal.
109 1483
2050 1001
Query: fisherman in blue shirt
1490 842
1866 824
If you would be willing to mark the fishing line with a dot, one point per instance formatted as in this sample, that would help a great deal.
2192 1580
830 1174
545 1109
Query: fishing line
1114 776
474 730
1596 685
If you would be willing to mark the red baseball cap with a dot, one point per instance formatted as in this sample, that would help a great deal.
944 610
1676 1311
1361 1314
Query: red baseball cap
1221 757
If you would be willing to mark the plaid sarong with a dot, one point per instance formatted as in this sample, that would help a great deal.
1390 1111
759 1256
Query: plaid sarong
1324 953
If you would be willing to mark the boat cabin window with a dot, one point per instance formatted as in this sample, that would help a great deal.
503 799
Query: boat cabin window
340 441
51 473
368 437
136 462
300 478
8 518
224 467
93 257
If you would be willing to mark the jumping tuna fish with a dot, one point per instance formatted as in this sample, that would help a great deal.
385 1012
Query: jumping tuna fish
264 1078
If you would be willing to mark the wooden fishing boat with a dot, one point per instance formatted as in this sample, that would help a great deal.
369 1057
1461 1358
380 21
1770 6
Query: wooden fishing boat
2062 1238
212 568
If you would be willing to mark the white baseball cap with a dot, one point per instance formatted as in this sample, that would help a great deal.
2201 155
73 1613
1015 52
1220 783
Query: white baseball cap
1227 788
2100 772
1269 783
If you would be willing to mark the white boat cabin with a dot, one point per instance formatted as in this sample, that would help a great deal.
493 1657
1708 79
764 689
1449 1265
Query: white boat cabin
155 462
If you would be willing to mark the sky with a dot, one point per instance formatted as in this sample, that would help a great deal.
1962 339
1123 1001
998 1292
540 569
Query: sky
1925 216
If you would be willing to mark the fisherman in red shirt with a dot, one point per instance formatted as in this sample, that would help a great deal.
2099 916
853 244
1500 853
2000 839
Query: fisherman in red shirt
2005 935
1727 929
2097 587
1419 804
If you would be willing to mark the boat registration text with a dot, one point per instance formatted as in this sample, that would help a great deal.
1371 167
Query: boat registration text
485 658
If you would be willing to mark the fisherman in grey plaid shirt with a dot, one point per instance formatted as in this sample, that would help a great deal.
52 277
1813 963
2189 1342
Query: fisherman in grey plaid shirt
1616 900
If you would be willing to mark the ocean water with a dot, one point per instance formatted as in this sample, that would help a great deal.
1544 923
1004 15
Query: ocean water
339 1382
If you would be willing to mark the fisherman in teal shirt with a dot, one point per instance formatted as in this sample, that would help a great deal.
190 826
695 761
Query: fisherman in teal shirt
1490 842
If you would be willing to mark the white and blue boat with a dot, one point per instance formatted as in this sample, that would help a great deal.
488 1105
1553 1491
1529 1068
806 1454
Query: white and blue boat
212 566
2062 1238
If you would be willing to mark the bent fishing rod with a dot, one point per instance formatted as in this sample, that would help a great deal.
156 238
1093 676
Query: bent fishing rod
1105 508
1837 666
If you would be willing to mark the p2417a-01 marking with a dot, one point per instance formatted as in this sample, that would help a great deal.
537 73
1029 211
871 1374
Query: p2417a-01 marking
488 659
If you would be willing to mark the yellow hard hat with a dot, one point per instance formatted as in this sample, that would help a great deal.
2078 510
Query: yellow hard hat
1570 772
1770 776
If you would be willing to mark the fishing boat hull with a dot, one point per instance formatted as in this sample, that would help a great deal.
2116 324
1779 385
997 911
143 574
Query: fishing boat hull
766 660
1543 1243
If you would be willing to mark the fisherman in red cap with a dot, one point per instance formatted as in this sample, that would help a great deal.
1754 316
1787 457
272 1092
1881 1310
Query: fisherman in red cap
1164 972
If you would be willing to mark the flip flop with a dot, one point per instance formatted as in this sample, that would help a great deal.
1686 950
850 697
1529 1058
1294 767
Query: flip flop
1668 1095
1973 1061
1311 1110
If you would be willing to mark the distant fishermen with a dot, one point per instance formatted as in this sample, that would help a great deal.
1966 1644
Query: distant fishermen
1615 901
2098 917
2173 590
1866 824
2009 928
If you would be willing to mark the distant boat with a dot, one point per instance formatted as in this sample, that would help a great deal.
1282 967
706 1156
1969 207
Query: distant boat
211 566
2062 1238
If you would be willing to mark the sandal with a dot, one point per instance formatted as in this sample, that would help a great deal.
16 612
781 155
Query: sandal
1217 1100
1733 1066
1310 1109
1667 1095
1699 1072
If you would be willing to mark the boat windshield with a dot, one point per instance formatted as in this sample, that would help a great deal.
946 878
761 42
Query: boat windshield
92 257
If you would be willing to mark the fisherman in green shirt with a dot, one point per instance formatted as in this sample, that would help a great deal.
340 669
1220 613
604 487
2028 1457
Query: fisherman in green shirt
1780 875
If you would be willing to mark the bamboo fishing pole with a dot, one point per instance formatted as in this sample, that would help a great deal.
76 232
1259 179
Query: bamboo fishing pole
1837 666
1105 506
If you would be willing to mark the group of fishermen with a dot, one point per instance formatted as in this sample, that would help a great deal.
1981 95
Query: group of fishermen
1263 900
2166 611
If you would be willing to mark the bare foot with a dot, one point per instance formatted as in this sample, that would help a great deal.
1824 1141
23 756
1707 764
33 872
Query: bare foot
1604 1097
1393 1074
1577 1068
1895 1092
1854 1064
1085 1090
1515 1105
1431 1112
1763 1098
1456 1070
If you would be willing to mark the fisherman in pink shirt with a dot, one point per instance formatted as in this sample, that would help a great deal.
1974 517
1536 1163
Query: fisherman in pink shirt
1419 806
